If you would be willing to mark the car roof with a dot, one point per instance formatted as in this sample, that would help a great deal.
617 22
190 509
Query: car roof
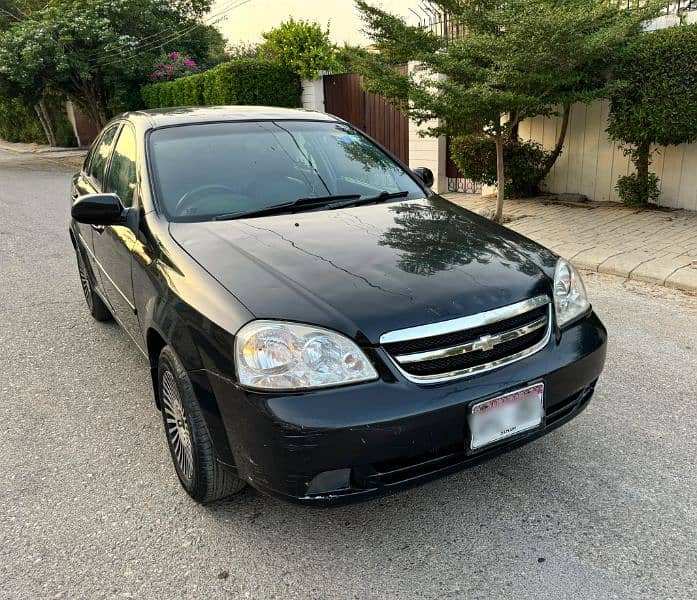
182 115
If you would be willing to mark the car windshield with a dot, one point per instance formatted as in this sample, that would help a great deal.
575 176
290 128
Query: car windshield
206 171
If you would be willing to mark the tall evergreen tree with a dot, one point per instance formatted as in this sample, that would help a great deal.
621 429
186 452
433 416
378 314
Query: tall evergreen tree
517 59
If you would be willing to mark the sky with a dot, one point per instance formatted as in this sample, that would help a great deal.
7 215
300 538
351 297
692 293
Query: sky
248 22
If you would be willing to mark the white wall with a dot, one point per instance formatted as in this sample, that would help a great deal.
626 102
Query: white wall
313 94
591 163
426 151
672 19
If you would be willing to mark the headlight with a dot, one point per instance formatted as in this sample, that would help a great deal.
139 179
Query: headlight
275 355
570 300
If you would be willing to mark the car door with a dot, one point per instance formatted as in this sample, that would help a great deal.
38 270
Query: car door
89 181
113 245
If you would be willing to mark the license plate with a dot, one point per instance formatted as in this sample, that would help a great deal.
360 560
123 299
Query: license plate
507 415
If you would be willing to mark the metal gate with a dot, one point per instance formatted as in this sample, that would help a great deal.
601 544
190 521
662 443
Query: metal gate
344 97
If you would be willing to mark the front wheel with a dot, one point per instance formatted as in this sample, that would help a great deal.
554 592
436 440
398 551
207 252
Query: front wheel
190 445
95 304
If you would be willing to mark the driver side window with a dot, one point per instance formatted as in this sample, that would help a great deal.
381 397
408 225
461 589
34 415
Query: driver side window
100 154
121 179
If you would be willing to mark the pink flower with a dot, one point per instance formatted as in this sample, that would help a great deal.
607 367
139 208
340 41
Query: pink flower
189 63
174 55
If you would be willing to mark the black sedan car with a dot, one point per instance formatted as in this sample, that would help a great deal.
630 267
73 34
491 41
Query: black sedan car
317 322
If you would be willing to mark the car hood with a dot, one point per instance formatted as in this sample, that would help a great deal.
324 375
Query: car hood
370 269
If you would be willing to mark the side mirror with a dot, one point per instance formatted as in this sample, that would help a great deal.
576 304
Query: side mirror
425 175
98 209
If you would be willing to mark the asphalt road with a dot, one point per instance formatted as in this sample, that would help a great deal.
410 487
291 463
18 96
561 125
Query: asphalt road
606 507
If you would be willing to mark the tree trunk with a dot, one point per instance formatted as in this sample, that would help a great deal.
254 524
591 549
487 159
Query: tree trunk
549 163
94 110
642 160
88 99
45 124
52 140
500 176
514 135
40 116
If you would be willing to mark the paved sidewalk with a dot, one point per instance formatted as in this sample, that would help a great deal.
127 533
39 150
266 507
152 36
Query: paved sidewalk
649 245
22 148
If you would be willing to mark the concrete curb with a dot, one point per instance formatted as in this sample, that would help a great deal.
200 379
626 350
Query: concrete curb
684 278
675 272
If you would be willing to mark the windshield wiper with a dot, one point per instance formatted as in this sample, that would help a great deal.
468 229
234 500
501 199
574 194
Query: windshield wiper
311 202
382 196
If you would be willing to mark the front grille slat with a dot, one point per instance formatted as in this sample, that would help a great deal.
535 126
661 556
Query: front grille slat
462 352
506 336
465 335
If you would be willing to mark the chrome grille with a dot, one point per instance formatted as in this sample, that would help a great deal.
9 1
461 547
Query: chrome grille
461 347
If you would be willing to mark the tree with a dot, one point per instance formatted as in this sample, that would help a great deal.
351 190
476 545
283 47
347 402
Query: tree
243 50
98 52
301 46
348 58
654 101
12 11
518 59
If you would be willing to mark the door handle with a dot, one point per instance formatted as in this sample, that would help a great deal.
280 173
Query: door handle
98 228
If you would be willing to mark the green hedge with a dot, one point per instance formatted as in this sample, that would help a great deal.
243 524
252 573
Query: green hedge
244 81
19 123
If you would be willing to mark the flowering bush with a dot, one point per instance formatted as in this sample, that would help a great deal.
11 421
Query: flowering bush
173 66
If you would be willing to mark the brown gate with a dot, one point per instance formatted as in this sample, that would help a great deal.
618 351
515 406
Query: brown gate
344 97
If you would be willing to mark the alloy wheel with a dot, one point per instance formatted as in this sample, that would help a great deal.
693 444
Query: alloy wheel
84 281
177 426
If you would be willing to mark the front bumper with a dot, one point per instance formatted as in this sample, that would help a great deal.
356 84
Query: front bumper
344 444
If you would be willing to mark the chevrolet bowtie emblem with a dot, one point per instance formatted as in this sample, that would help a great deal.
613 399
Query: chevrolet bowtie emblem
485 343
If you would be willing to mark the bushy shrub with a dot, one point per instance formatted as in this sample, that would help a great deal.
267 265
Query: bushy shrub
244 81
301 46
19 123
636 192
475 157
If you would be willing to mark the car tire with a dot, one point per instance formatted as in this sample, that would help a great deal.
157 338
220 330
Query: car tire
190 444
95 304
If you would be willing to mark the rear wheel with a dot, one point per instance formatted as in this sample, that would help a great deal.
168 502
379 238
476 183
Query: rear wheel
190 445
95 304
